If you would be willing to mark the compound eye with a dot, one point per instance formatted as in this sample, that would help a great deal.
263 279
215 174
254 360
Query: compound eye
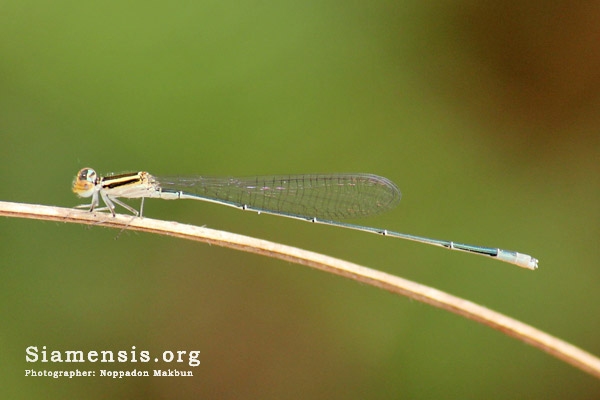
87 174
84 182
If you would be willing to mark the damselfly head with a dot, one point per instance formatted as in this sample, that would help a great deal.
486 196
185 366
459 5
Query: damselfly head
84 182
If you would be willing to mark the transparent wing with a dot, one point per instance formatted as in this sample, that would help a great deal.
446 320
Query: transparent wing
330 196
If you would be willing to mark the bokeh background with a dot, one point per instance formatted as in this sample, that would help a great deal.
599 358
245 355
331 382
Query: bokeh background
486 115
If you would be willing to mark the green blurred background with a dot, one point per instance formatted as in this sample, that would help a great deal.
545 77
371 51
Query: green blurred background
486 116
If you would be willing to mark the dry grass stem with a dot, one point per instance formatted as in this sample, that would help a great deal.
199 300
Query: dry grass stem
526 333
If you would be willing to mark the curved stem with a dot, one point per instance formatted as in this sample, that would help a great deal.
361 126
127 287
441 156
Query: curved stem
521 331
